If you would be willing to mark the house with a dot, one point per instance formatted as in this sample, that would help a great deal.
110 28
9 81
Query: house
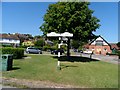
100 46
28 43
114 47
9 39
49 42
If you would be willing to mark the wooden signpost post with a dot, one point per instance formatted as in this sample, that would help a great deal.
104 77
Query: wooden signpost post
65 34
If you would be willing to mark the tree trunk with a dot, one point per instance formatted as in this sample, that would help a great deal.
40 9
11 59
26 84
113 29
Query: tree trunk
68 49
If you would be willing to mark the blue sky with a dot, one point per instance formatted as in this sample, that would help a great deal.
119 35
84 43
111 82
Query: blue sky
26 17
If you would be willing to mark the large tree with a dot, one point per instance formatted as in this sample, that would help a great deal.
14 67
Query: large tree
73 17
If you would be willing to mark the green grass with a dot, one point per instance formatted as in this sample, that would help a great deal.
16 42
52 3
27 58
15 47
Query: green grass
94 74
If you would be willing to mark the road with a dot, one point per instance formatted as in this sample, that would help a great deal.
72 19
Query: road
111 59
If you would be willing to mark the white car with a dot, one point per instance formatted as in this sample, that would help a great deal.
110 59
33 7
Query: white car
87 52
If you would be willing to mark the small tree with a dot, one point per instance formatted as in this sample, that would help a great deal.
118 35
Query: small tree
39 43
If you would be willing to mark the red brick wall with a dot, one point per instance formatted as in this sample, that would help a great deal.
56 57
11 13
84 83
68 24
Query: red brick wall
100 49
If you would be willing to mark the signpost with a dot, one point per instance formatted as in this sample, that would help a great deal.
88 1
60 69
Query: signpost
65 34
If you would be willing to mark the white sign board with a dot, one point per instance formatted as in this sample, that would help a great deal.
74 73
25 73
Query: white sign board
53 34
65 34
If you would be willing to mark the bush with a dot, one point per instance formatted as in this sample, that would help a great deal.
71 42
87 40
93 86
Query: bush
54 47
39 43
7 45
23 46
64 47
116 53
45 48
17 52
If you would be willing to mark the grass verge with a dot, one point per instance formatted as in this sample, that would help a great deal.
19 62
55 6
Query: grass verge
93 74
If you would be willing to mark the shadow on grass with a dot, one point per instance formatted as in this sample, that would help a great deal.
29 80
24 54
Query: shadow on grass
67 66
25 56
15 68
75 59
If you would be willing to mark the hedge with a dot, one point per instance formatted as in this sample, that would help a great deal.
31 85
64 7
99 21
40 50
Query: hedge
17 52
118 54
45 48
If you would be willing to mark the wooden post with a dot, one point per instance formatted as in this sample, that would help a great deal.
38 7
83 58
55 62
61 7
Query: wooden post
68 49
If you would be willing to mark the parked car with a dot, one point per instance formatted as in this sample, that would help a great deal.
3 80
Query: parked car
81 51
56 51
75 50
87 52
33 50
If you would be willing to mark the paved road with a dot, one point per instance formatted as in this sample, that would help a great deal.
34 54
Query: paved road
111 59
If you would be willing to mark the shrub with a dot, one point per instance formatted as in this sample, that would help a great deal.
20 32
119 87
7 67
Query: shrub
17 52
53 48
118 54
39 43
45 48
23 46
6 45
64 47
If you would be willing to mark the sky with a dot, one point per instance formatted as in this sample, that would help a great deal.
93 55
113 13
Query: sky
27 17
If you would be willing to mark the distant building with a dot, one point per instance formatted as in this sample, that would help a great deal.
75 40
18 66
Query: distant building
100 46
9 39
28 43
49 42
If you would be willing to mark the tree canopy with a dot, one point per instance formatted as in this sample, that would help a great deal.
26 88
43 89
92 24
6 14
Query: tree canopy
73 17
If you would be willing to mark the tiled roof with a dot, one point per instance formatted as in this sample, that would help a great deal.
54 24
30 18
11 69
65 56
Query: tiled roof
114 46
9 36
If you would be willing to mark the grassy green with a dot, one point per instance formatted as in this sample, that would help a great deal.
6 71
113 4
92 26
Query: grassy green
94 74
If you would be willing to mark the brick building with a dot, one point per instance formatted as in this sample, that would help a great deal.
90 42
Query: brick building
100 46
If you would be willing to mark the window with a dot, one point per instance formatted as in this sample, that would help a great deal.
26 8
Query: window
99 43
105 49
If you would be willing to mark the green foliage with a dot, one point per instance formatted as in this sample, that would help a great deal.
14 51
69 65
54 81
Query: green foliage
39 43
80 48
118 44
118 53
64 47
17 52
55 47
45 48
75 44
6 45
37 37
21 46
73 17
